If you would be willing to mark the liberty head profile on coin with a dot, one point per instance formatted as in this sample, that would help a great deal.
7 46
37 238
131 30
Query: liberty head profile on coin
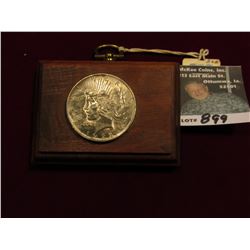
101 107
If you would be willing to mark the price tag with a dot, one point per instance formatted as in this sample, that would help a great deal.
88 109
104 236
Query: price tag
196 61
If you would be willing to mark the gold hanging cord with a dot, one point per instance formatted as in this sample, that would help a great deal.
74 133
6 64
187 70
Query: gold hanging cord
115 52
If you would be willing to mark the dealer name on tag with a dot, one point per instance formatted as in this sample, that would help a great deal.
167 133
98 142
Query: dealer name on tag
213 96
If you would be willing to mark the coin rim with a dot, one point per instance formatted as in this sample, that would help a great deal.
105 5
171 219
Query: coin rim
98 139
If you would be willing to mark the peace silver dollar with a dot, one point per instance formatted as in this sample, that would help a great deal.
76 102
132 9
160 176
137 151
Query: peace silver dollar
101 107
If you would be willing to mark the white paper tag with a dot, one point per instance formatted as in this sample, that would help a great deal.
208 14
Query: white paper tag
213 96
195 61
214 119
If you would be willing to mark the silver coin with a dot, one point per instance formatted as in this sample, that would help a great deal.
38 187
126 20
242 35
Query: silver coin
101 107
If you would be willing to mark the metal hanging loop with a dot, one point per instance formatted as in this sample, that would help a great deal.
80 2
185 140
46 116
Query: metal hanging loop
108 52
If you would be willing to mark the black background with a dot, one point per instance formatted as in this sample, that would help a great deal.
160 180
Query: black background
212 181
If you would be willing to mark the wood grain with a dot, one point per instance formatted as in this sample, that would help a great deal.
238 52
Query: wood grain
153 137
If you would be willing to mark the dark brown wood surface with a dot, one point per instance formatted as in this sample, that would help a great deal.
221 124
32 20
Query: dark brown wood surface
152 136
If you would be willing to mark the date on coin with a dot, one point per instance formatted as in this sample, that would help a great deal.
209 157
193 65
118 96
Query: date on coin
101 107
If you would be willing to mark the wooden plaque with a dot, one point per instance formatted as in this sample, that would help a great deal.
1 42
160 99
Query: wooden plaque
153 137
